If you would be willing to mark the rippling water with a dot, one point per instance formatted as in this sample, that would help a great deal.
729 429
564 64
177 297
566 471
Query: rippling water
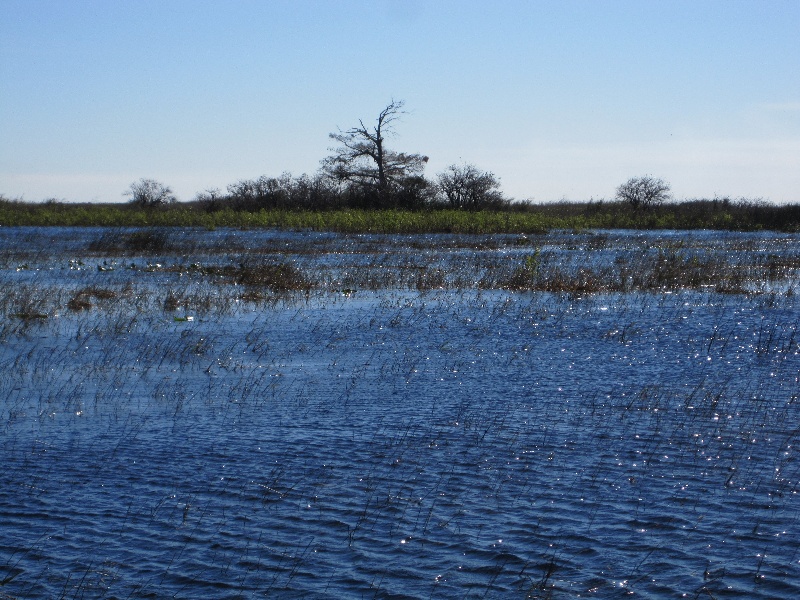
403 444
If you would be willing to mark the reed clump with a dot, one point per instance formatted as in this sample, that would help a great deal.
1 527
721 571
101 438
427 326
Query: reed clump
516 217
278 277
140 241
82 300
26 303
666 270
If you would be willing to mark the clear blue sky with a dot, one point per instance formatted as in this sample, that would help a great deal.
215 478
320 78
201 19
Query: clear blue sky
560 99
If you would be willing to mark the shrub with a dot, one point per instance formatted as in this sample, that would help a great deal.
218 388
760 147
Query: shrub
466 187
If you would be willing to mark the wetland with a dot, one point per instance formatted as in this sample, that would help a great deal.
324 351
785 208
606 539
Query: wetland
269 413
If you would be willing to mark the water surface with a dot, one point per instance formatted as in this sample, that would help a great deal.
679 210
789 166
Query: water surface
394 443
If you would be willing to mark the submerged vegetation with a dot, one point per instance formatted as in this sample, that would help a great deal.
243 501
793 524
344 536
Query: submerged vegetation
368 384
208 414
232 265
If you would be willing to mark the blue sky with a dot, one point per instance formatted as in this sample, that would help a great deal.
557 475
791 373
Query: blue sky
560 99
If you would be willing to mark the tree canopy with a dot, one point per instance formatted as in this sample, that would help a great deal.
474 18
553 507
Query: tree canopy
644 191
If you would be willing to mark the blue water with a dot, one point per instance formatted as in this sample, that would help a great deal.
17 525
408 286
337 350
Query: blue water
397 444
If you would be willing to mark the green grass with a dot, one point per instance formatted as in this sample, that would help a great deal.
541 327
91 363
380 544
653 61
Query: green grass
523 218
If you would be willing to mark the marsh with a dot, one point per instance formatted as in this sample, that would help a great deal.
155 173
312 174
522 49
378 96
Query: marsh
556 415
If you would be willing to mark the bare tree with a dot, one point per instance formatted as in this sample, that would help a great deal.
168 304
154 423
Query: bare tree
362 158
468 187
644 191
149 192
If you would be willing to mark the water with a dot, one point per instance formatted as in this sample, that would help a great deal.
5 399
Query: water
394 443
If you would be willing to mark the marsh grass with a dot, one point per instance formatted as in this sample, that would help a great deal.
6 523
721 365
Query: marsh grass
719 213
82 300
278 277
141 241
207 278
442 397
657 270
438 481
25 303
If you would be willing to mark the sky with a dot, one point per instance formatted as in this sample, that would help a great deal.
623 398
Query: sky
561 100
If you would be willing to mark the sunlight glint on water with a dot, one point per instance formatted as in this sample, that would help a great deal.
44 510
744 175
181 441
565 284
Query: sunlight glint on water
393 442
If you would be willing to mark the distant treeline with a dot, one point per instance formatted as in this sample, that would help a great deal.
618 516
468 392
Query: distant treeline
364 186
291 209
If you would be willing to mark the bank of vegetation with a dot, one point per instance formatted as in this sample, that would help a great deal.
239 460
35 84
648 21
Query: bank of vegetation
721 214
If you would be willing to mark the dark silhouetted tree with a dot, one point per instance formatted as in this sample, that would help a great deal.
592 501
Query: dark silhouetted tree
363 161
149 192
644 191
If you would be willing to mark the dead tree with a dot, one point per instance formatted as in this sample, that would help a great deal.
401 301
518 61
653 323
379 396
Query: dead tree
363 160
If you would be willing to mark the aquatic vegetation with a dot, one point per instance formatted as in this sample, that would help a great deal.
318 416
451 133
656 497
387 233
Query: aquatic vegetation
138 241
82 299
293 414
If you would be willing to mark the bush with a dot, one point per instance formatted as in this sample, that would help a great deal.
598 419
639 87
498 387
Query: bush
466 187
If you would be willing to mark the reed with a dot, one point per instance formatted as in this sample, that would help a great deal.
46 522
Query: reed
718 214
547 415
